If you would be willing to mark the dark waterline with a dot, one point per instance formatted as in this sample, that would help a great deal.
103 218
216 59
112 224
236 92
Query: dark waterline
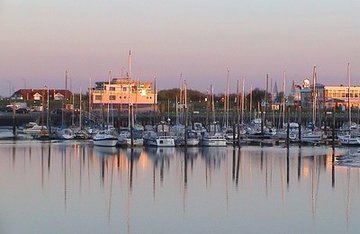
72 187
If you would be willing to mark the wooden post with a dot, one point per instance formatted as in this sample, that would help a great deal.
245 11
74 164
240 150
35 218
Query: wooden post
14 119
238 136
300 142
333 131
262 126
233 164
287 167
299 165
288 130
186 125
299 123
234 135
333 169
131 126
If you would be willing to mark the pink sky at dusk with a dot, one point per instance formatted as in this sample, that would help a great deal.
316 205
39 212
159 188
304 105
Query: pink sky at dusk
200 39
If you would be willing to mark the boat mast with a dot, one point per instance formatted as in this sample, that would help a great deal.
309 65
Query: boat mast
181 85
154 98
266 99
80 110
129 105
349 85
185 102
212 103
168 110
283 99
314 97
66 79
108 104
226 100
90 97
176 110
243 101
136 100
73 109
129 93
250 104
238 102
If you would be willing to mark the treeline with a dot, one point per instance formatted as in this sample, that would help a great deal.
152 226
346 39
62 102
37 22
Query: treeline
198 100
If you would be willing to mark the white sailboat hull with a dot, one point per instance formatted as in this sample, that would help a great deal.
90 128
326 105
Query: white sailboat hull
110 142
105 139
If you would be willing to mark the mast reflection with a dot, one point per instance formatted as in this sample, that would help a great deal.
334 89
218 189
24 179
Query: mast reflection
124 175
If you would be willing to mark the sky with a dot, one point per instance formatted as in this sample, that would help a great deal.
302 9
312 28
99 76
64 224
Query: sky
199 39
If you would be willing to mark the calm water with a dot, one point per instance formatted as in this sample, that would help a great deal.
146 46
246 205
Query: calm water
72 187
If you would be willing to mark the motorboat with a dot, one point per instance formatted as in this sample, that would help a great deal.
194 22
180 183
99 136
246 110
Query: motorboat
35 130
65 134
160 138
216 139
105 138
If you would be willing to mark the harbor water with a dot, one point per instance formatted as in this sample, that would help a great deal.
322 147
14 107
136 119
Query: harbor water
74 187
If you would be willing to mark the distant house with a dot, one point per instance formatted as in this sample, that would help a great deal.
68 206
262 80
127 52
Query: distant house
59 96
41 94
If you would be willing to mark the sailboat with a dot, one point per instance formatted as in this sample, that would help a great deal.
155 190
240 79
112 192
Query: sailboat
213 137
184 136
311 134
106 137
64 133
349 134
133 135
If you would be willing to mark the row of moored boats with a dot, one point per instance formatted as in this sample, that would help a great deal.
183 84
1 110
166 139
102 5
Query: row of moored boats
164 135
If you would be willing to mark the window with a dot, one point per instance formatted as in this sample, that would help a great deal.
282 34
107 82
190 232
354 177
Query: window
124 89
112 88
97 97
112 97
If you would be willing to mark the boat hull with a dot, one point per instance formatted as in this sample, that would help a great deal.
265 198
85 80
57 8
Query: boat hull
214 142
108 142
161 142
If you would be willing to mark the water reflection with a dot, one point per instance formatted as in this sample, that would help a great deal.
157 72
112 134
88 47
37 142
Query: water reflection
136 190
